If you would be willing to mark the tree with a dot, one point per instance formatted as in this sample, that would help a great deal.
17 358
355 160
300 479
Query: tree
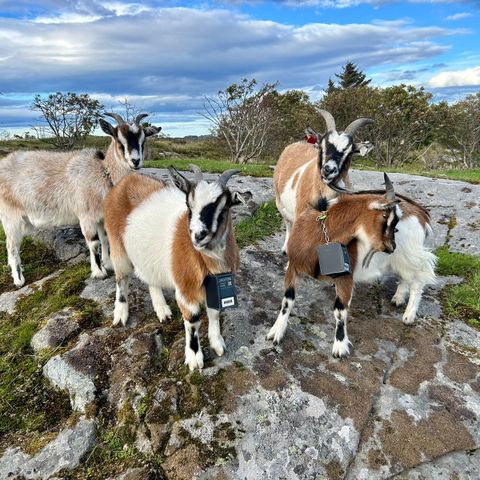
69 116
463 128
351 76
241 116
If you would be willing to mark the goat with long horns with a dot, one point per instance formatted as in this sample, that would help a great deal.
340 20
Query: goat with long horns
305 172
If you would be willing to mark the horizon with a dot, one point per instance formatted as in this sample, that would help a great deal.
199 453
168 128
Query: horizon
165 56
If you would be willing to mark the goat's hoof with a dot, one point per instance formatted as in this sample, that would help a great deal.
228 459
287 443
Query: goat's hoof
276 334
397 301
341 349
218 345
120 314
99 274
408 319
19 283
194 360
163 313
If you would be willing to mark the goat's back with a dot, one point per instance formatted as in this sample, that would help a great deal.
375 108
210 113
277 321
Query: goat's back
47 185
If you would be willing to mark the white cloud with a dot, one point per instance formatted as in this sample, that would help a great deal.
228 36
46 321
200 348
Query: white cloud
456 78
168 58
459 16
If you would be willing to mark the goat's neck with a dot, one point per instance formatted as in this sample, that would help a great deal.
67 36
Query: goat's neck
116 167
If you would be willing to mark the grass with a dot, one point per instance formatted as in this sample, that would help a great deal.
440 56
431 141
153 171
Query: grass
263 223
38 261
461 301
213 166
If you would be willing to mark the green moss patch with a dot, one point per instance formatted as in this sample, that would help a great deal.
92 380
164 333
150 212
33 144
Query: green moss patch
461 301
38 261
28 405
263 223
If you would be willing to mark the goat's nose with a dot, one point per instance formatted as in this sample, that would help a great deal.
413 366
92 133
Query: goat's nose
136 161
201 235
329 169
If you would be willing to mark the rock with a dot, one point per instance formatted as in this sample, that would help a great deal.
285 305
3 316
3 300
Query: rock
76 371
60 328
67 242
64 452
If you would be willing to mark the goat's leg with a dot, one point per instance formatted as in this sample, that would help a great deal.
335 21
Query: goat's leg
14 237
416 290
214 333
123 268
344 290
288 227
89 230
277 332
191 321
106 262
401 293
159 304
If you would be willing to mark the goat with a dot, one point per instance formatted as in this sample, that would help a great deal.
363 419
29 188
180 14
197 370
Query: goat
173 236
394 227
306 171
51 189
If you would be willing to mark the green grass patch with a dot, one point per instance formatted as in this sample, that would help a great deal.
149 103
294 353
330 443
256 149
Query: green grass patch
28 404
38 261
263 223
213 166
461 301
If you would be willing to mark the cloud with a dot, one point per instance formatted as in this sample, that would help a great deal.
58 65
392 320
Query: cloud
335 3
459 16
456 78
168 58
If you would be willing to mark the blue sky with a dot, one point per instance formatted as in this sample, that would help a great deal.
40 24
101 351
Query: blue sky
166 55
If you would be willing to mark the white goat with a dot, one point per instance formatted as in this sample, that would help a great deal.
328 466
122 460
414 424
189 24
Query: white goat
50 189
383 233
173 238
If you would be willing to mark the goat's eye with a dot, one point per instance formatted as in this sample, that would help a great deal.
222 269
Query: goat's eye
396 230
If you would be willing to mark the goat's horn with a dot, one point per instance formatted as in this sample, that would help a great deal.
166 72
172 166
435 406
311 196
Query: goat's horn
225 177
357 124
140 117
389 191
198 173
329 120
117 117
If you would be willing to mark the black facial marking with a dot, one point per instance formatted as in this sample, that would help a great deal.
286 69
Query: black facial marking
340 331
133 140
338 304
290 293
208 211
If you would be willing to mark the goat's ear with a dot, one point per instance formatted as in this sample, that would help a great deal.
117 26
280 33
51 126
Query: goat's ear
179 180
362 148
376 205
151 130
107 128
241 197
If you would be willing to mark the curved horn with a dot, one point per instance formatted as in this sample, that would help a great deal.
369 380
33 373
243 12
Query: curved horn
117 117
140 117
198 173
329 120
389 192
225 177
356 124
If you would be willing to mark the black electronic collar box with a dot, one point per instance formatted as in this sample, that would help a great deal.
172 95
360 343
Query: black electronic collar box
220 291
334 260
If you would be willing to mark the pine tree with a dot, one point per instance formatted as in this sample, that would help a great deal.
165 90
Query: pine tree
330 87
351 76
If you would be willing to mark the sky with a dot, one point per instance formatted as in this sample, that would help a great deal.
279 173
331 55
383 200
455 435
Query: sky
166 56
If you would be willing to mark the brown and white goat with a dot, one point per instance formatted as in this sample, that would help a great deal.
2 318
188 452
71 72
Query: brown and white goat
382 234
51 189
305 171
173 236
